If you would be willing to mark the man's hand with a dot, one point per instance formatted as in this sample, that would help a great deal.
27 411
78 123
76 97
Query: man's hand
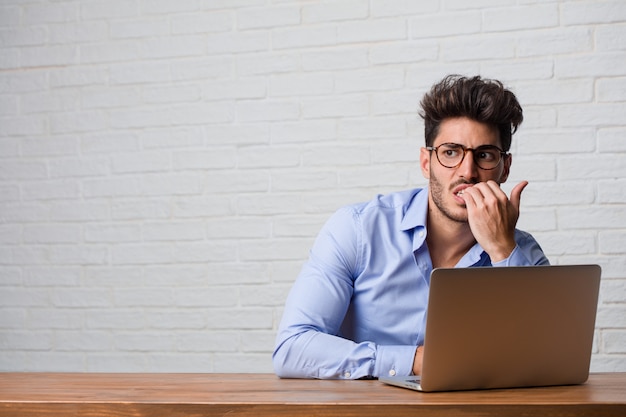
417 360
492 217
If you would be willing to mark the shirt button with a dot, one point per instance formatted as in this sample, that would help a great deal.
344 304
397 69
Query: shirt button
392 372
421 233
346 374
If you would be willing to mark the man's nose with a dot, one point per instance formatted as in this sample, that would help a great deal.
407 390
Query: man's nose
468 167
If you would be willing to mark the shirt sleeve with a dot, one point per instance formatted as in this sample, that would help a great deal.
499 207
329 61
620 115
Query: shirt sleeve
527 252
308 344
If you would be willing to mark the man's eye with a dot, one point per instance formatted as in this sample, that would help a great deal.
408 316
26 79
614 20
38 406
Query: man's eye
487 156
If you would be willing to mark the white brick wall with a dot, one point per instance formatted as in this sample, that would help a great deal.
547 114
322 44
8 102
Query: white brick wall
165 166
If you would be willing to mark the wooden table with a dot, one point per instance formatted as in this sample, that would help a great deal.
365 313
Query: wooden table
172 395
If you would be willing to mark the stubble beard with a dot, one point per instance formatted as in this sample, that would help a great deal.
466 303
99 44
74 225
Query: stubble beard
437 192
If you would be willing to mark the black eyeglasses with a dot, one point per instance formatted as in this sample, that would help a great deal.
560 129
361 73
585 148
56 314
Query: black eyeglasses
451 155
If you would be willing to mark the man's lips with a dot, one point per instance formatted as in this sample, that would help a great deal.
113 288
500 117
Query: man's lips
458 191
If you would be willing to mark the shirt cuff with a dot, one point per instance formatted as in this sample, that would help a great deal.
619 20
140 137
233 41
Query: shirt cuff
394 360
516 258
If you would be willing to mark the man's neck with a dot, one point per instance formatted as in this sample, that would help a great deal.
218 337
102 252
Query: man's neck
448 240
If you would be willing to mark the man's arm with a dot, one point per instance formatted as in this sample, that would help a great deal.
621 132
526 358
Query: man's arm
307 343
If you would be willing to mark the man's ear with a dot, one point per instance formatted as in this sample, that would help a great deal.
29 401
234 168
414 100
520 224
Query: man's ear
507 168
425 162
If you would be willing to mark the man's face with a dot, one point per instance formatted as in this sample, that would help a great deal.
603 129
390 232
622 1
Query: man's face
445 183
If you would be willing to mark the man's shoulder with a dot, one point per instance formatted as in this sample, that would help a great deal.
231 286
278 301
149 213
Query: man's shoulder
397 200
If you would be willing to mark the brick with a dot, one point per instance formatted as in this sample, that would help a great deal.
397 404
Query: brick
589 167
82 341
28 36
202 68
112 232
147 161
215 159
213 112
341 106
604 217
34 14
140 28
612 242
55 318
225 296
143 342
556 92
98 53
303 180
111 97
50 146
24 126
372 30
173 231
80 167
303 131
473 48
241 88
398 52
266 110
78 32
611 89
171 47
301 84
193 206
44 102
612 191
82 121
81 297
334 155
520 18
335 59
243 318
402 7
369 80
217 341
116 362
588 65
235 42
176 320
444 25
611 140
51 190
52 233
172 138
556 41
109 9
335 11
304 37
255 363
78 76
610 38
268 17
590 12
219 21
268 157
267 63
375 128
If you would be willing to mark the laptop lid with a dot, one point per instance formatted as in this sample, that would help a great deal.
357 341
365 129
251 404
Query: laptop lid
502 327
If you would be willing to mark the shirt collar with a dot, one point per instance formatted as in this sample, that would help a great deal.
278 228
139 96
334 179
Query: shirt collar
416 211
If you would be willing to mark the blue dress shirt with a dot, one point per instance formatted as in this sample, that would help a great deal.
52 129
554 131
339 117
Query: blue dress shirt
358 307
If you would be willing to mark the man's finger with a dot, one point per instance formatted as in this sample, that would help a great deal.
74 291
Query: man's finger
516 193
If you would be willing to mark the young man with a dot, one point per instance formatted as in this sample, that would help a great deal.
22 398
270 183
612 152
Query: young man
358 307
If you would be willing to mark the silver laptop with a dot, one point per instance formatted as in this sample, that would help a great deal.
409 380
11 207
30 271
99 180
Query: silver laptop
505 327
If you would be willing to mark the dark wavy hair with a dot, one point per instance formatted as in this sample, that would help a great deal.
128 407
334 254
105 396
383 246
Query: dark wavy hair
482 100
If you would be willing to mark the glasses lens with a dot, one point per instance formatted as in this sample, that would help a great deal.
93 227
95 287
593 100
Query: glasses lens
450 154
487 157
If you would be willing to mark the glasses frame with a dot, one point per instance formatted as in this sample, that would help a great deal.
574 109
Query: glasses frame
502 153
